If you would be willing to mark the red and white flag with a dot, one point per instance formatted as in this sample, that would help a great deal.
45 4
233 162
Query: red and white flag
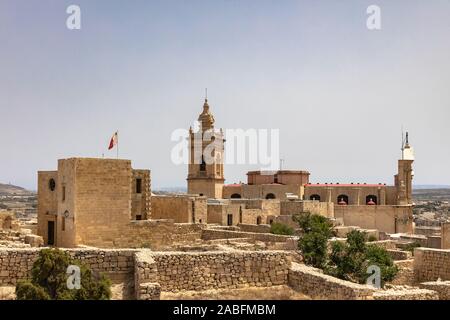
114 141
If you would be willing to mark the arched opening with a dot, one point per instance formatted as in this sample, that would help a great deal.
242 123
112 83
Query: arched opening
270 196
371 200
52 184
258 220
342 200
235 196
203 165
314 197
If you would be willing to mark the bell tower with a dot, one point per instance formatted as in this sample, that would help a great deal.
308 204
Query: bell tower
403 180
206 153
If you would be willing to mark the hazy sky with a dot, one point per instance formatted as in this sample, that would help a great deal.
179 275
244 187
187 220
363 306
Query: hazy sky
338 92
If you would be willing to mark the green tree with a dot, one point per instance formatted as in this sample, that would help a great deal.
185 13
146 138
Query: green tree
49 280
350 260
313 244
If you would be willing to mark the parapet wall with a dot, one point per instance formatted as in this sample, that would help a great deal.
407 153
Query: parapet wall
213 270
431 264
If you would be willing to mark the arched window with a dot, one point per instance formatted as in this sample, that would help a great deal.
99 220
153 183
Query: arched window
52 184
342 200
314 197
203 165
270 196
235 196
371 200
258 220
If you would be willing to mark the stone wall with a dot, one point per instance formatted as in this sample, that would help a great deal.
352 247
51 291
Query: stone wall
390 219
146 276
445 235
211 234
180 208
156 234
258 228
292 207
118 265
314 283
431 264
406 294
214 270
405 274
441 287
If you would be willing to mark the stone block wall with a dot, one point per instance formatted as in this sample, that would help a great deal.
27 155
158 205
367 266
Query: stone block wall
431 264
213 234
146 276
16 264
258 228
441 287
314 283
212 270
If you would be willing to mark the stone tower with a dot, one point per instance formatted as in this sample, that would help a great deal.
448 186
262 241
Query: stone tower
206 153
403 180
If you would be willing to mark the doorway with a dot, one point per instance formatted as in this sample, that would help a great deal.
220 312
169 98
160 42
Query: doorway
51 233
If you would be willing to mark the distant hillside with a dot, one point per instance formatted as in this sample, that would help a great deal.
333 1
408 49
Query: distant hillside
9 189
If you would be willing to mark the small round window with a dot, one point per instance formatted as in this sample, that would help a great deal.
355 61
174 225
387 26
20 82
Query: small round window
52 184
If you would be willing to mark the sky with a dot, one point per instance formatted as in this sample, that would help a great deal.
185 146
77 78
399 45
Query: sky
338 92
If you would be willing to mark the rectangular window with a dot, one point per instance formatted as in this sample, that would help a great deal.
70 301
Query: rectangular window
63 193
230 220
138 185
63 224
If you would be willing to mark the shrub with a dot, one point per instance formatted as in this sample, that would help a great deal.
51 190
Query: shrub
372 238
49 280
281 228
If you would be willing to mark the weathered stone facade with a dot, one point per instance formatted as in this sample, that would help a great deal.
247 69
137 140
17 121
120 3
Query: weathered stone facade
206 270
89 201
431 264
180 208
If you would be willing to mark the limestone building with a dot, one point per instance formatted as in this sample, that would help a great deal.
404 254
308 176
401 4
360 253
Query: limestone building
372 206
87 201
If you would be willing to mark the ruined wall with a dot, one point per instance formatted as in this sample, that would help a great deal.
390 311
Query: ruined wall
180 208
214 270
431 264
314 283
390 219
